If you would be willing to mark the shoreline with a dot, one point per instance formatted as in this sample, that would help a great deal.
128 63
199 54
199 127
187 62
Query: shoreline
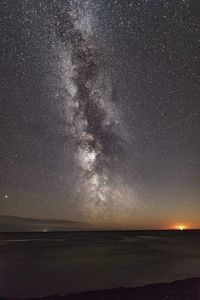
185 289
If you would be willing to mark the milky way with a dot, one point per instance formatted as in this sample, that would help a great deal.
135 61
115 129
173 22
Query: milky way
94 122
99 116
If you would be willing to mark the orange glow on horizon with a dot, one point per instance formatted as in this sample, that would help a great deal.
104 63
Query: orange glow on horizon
181 227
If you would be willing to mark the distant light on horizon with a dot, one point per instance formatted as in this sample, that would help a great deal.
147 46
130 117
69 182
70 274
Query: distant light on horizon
181 227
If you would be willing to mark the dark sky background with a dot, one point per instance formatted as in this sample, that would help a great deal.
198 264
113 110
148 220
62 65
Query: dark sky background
99 111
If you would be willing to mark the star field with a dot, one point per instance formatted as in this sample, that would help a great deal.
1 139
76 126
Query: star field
100 111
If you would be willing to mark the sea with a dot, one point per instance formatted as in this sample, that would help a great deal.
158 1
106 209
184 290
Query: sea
57 263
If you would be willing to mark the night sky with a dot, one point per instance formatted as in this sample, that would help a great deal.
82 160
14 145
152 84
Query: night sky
99 111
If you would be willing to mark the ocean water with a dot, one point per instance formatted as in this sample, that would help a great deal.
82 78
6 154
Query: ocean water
40 264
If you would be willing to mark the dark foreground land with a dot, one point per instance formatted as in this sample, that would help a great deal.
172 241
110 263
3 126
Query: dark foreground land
188 289
36 265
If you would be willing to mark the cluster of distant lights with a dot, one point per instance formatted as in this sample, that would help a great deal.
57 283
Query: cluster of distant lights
181 227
